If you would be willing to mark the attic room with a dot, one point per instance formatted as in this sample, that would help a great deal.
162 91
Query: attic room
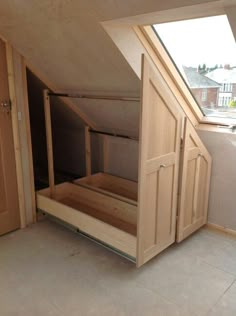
117 158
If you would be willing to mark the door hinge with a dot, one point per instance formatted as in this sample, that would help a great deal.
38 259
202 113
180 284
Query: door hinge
6 106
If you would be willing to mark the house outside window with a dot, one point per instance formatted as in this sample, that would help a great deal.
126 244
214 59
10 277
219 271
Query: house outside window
209 70
204 94
205 90
226 87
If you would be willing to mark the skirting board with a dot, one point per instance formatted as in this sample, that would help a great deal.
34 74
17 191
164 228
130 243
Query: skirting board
222 229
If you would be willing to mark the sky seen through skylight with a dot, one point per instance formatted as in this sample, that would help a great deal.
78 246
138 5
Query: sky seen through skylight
207 41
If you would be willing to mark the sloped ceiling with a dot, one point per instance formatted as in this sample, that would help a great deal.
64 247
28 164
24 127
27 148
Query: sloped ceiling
61 114
64 42
118 117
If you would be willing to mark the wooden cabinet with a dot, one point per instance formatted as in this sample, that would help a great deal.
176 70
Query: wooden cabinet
160 132
9 205
139 219
194 184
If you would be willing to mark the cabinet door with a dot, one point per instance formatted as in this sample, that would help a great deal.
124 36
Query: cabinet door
160 133
194 184
9 206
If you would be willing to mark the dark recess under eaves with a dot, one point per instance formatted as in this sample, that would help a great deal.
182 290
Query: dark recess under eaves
68 137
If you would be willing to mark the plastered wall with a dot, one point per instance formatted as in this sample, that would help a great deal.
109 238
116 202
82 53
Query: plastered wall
222 203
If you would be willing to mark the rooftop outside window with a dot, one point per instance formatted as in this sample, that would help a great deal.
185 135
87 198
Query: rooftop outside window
204 52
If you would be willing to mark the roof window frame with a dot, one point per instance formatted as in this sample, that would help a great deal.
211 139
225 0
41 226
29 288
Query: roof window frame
152 41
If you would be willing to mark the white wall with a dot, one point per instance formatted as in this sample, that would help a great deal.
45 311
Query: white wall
121 157
222 204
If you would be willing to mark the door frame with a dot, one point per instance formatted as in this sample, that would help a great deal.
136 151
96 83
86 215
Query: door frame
16 69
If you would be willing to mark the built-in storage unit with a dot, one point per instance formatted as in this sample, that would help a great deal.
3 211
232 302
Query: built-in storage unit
140 219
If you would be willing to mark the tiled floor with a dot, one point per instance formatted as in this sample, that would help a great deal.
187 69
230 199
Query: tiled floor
49 270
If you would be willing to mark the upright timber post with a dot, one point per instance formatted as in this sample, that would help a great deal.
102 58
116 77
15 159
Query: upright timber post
88 151
48 125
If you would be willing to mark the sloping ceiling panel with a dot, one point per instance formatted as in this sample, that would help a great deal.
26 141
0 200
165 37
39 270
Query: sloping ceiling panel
61 114
119 117
64 42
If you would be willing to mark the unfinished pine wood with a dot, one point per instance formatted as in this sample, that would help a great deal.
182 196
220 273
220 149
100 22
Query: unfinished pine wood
162 61
221 229
9 203
194 185
102 217
109 209
28 156
105 152
87 151
21 135
117 187
160 130
48 125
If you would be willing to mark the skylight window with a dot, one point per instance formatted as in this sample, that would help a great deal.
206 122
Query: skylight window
204 52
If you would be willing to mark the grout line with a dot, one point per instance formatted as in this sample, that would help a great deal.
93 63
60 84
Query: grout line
211 265
165 298
221 296
58 308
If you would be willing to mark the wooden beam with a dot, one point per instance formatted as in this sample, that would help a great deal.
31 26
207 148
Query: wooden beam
48 125
88 151
28 141
16 137
105 154
95 97
168 71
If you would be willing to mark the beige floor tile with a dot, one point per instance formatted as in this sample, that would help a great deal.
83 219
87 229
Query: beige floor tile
65 274
15 303
186 280
226 305
213 248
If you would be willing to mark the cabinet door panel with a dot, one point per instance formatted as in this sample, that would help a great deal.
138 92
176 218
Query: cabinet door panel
160 131
194 187
9 205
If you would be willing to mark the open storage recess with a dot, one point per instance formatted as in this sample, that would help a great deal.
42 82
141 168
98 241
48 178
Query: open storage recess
140 219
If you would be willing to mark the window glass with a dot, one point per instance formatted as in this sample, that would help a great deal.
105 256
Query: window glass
204 52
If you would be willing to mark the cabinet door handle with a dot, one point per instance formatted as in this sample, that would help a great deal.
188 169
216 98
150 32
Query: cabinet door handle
200 155
162 166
